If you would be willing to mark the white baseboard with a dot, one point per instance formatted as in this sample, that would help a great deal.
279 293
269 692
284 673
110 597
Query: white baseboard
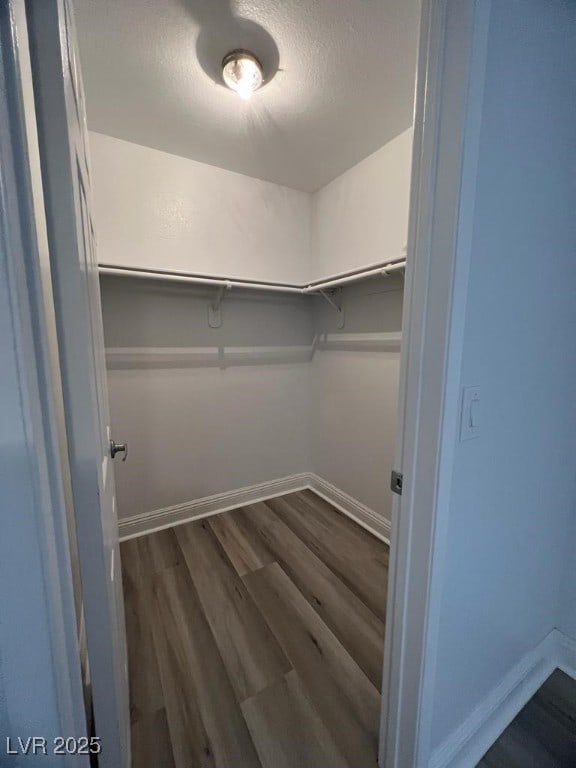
470 741
147 522
360 513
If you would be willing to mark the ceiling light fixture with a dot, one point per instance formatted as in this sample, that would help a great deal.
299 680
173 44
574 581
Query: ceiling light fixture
242 72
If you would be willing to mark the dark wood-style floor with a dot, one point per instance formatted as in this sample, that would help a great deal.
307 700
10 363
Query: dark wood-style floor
543 735
255 639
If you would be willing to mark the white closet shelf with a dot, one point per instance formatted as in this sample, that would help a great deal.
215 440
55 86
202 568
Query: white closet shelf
316 286
118 358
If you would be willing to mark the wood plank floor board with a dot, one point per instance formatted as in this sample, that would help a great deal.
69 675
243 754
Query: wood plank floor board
354 555
206 725
251 654
344 697
208 664
246 551
159 551
151 743
287 729
553 709
543 735
521 749
188 737
351 535
146 696
359 630
560 740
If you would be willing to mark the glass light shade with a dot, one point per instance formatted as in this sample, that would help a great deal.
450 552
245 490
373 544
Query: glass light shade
242 72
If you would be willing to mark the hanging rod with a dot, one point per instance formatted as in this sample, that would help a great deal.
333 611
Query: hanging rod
177 277
355 277
314 287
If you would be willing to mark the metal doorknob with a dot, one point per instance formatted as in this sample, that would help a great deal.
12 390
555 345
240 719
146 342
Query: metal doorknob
118 448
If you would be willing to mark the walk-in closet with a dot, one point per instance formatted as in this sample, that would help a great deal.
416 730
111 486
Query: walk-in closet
287 416
250 186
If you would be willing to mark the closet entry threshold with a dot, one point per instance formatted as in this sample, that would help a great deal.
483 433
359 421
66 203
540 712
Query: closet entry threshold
255 638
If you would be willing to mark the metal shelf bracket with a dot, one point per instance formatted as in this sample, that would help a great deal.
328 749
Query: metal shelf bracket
214 308
335 300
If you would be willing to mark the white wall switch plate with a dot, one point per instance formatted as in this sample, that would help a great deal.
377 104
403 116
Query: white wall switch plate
470 414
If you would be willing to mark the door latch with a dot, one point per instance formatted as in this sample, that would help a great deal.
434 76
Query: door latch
396 480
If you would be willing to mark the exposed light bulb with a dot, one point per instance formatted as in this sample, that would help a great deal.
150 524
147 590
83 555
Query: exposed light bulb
242 72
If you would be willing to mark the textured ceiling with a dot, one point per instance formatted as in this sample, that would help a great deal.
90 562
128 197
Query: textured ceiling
342 85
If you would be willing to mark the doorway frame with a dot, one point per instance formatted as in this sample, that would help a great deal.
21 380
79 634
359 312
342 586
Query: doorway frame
450 76
450 80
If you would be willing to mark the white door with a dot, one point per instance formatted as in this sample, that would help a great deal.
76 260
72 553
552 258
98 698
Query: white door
62 136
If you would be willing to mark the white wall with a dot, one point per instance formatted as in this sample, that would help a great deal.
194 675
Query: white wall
158 211
362 216
514 487
195 429
155 210
567 607
355 376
